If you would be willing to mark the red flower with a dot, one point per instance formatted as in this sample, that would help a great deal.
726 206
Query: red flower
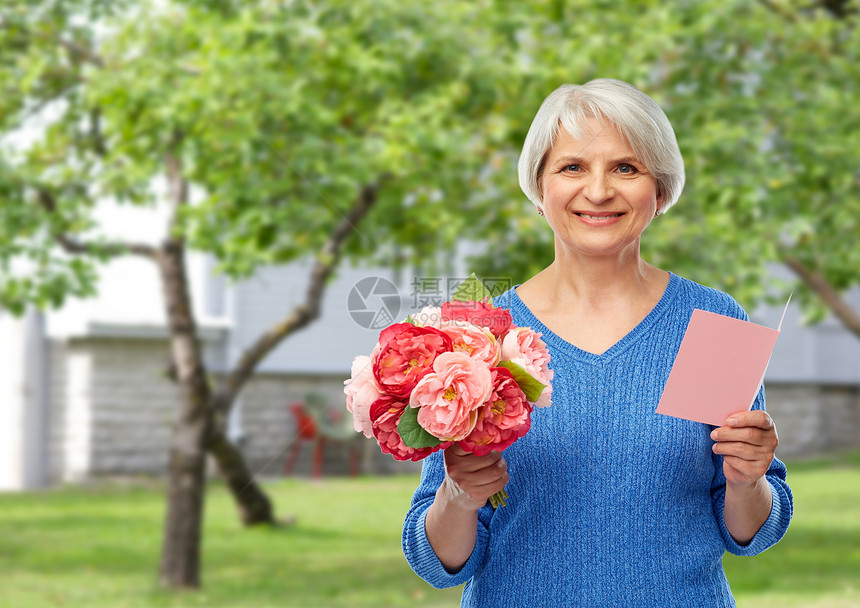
482 314
503 419
404 355
385 414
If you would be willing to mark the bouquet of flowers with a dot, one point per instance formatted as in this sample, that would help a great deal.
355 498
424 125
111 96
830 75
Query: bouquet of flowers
462 372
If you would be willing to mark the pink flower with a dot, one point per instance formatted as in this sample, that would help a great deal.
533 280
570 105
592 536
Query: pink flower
429 316
545 399
449 396
361 392
504 418
482 314
523 346
385 414
477 342
405 354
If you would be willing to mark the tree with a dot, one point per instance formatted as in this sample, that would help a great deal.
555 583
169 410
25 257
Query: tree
762 96
386 131
294 121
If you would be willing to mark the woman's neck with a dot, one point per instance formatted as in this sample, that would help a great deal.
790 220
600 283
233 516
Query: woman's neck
593 302
594 281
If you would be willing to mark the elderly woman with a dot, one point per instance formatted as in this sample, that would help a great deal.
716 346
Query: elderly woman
610 503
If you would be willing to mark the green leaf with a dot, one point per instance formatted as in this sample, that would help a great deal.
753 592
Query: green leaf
412 433
471 290
528 383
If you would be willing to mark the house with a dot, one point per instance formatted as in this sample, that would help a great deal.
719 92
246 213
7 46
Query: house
83 391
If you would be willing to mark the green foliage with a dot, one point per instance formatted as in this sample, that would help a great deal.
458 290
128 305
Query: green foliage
762 96
282 112
529 385
770 134
471 290
412 433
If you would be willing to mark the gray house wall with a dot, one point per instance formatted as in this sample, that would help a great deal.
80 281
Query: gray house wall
111 406
112 409
327 346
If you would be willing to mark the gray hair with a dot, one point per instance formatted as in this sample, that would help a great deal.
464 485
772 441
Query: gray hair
636 116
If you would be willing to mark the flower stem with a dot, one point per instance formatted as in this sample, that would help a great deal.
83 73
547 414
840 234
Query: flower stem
498 499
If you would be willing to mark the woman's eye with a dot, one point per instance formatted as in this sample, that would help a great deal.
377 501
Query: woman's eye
572 168
626 169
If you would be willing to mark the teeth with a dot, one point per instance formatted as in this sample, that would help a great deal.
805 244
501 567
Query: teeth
598 217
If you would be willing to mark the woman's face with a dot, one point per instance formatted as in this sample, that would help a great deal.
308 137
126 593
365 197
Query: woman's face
597 196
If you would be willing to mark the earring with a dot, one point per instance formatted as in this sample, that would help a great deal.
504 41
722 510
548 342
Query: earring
656 213
540 212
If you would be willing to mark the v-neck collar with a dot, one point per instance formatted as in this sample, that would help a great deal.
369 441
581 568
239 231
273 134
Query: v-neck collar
559 343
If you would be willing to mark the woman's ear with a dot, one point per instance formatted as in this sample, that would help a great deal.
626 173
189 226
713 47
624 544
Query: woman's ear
659 202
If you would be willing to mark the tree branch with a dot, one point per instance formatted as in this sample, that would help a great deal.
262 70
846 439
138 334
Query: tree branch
177 185
77 50
839 9
774 8
78 247
113 249
301 315
95 132
828 294
80 51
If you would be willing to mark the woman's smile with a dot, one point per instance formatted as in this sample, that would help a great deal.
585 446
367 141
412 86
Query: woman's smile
598 218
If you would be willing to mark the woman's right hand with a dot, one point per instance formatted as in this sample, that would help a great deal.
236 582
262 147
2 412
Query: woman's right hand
452 520
470 480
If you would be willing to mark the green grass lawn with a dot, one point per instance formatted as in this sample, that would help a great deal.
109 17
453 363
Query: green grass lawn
817 564
98 547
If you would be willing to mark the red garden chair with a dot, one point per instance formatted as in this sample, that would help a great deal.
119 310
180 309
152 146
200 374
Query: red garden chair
317 423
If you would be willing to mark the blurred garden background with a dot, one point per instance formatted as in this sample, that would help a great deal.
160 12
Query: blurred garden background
209 207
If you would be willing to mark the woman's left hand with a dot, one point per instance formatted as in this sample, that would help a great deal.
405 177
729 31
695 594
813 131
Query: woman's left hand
747 443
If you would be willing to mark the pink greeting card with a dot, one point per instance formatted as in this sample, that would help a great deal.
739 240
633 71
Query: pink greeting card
719 368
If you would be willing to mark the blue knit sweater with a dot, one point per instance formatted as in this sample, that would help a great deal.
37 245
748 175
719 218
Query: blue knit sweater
611 504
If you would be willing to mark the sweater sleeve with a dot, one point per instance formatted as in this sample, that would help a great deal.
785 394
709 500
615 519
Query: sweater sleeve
417 549
776 525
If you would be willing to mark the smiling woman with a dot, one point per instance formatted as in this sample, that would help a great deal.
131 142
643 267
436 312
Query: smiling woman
611 504
636 117
598 197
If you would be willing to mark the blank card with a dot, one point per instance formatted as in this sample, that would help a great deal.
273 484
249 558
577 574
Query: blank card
719 368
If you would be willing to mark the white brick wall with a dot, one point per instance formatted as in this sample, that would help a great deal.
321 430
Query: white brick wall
111 407
814 419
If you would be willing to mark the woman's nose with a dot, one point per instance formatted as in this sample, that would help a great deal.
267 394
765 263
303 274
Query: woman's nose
598 188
